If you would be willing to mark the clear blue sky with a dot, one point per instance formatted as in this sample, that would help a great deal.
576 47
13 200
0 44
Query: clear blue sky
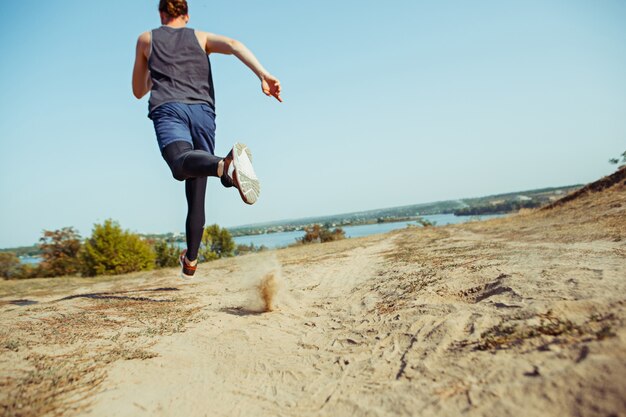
386 104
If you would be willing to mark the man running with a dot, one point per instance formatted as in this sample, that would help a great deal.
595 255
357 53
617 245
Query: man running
172 63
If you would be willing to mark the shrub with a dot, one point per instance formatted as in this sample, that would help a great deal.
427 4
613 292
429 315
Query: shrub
251 248
166 254
9 265
29 271
216 243
321 234
59 252
425 222
621 160
111 250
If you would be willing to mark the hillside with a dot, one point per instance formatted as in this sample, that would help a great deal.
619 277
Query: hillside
524 315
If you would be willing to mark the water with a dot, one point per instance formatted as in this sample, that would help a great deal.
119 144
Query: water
282 239
31 260
270 240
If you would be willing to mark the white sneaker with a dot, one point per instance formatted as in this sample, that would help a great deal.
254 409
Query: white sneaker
242 173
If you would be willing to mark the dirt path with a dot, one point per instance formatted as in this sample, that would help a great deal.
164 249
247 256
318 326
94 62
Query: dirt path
237 362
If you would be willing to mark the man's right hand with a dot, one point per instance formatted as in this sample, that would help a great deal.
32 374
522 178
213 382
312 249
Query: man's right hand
271 86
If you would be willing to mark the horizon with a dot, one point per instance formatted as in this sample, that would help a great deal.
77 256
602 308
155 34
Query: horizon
394 207
321 216
384 105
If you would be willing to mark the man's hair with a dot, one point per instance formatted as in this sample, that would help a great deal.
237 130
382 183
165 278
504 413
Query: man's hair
173 8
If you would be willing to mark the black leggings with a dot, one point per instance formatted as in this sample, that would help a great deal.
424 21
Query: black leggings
193 167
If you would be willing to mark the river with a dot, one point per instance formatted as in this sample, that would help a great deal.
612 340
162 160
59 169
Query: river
281 239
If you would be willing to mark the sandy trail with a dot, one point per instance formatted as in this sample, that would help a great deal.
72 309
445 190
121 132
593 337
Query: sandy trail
518 316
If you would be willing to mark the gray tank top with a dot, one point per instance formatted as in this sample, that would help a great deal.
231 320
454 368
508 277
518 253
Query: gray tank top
180 69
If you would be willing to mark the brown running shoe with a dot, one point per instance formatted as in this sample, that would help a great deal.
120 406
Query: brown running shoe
187 269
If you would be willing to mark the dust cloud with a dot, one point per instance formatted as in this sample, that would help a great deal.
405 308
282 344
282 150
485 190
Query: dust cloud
265 283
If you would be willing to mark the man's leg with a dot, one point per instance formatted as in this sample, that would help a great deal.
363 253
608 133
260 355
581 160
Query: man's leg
195 190
186 163
178 127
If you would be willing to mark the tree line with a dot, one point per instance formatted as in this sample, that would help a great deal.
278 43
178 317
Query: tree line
500 208
111 250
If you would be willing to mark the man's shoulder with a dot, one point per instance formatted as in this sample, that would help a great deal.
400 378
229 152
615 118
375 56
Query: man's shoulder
145 36
144 42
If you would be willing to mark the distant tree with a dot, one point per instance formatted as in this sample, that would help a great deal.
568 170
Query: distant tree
113 251
503 207
425 222
621 160
9 265
321 234
251 248
216 243
166 253
59 252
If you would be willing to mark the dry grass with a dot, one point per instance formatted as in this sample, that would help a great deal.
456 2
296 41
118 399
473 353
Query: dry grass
42 387
541 331
42 287
85 333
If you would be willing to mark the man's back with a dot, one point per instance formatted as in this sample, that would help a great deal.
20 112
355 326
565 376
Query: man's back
180 69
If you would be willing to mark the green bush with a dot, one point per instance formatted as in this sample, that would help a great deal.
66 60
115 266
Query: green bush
113 251
59 252
216 243
166 254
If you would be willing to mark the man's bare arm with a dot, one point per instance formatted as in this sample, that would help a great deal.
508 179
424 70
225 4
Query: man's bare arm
142 83
223 45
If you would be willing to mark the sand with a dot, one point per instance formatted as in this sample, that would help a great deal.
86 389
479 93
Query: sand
516 316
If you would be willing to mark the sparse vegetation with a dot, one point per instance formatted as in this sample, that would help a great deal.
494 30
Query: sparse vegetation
90 340
550 330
